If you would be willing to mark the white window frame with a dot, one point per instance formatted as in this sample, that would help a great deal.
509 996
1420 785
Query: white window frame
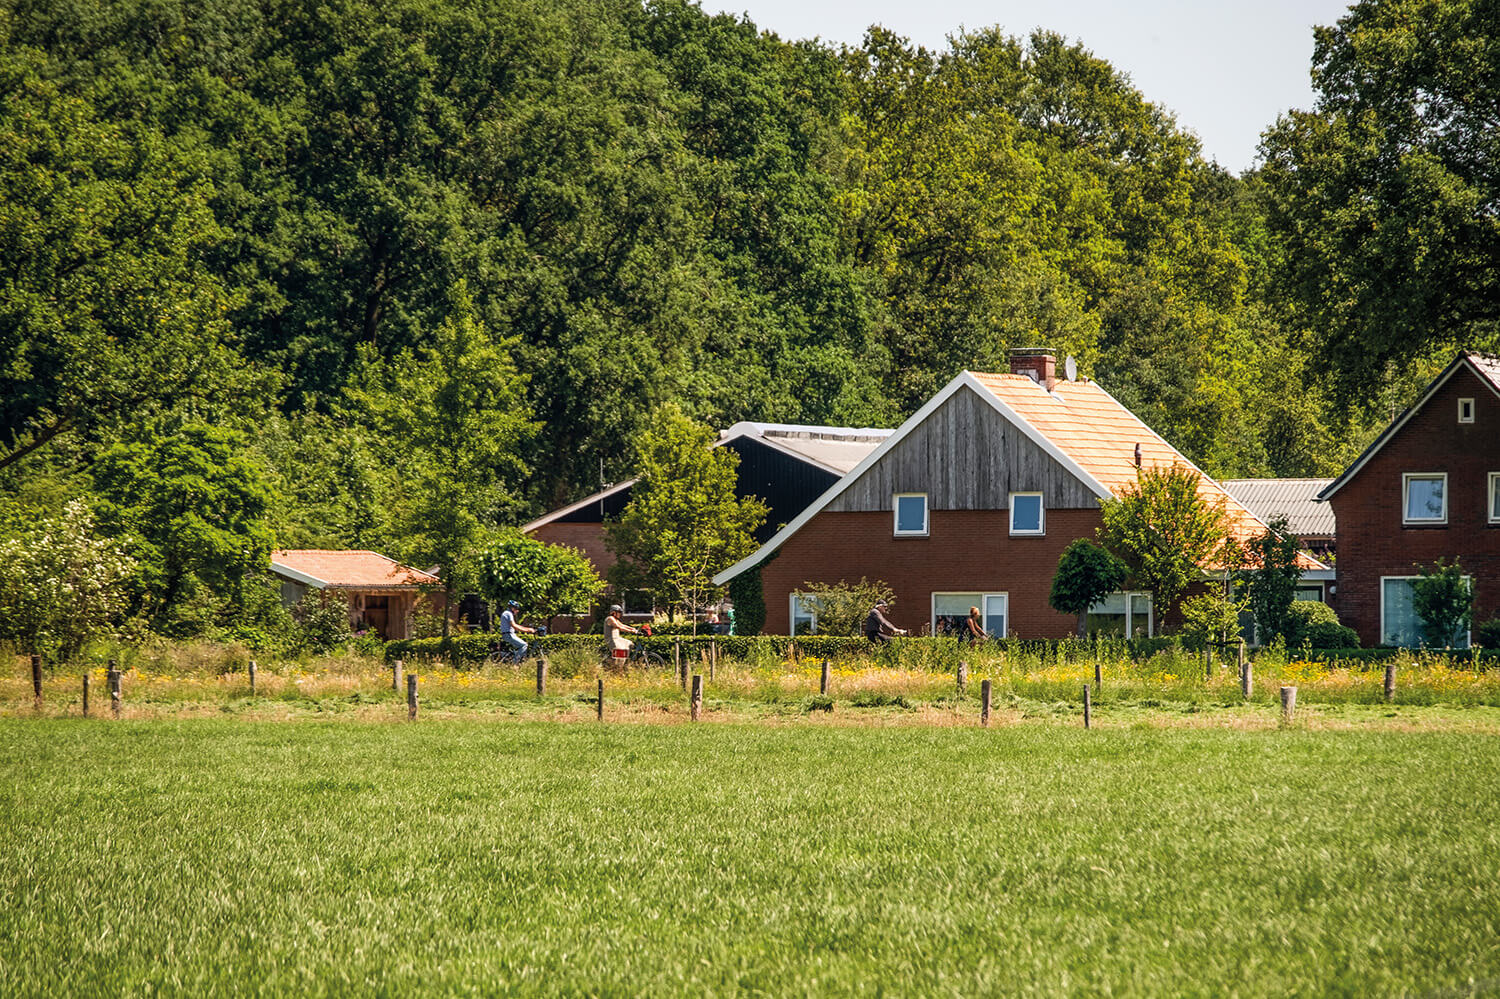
926 516
1041 518
1406 478
983 597
791 618
1130 596
1494 487
1466 411
1468 635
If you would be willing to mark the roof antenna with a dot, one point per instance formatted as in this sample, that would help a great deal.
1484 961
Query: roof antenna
1137 454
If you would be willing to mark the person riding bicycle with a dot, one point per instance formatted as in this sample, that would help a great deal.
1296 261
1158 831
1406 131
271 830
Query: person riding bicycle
613 626
878 627
509 626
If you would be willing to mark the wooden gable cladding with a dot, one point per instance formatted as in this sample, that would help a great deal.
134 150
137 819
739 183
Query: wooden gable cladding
965 456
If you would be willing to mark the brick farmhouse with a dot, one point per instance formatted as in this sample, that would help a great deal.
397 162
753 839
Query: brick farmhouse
972 501
1427 488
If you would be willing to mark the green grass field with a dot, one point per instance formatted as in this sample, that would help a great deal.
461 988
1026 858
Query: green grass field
217 856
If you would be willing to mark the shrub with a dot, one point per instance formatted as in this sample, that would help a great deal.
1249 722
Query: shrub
1209 619
1489 633
841 607
322 618
1300 618
1444 601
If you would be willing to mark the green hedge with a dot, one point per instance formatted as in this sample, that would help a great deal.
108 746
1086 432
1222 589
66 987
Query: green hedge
1457 656
469 649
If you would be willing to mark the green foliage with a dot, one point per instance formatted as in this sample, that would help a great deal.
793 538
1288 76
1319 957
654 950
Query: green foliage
549 580
748 595
1209 619
192 501
1086 574
683 523
1165 532
1314 624
1443 598
841 607
1271 578
1383 194
1488 634
322 618
61 584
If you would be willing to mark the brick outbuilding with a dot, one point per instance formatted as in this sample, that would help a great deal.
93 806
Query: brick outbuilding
972 501
1427 488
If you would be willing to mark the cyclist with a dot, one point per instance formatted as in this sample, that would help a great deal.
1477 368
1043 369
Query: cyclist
878 627
613 626
508 628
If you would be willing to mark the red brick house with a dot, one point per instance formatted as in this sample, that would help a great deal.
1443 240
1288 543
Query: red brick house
971 503
1427 488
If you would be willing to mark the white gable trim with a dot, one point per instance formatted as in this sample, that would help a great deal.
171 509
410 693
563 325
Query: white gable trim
963 380
298 577
1461 361
548 518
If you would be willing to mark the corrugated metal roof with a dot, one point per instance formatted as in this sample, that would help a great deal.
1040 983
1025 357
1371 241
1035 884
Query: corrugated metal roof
347 569
1294 499
837 449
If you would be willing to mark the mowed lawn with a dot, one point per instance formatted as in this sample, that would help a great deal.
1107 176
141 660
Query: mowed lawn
227 856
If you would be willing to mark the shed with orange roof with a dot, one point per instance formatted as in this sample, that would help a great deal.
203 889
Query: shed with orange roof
971 502
381 592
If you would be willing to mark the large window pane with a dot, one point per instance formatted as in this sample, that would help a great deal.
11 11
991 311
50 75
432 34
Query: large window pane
1025 514
1108 618
1399 620
1494 496
995 607
1140 615
1424 497
804 620
911 514
949 611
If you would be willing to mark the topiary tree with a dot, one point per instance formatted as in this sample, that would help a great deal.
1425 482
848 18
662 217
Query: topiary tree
1086 574
1443 598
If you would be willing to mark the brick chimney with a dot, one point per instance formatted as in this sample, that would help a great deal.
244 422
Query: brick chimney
1037 363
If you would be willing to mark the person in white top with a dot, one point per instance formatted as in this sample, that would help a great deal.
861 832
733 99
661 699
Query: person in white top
613 626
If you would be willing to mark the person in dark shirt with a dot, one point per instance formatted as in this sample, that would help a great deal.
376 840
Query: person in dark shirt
878 627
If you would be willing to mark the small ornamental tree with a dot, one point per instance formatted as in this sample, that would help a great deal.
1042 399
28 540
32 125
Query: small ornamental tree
684 523
1166 533
1086 574
1271 578
1443 598
550 580
841 608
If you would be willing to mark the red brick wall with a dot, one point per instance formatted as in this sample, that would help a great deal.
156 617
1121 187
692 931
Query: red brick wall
1372 540
589 537
966 550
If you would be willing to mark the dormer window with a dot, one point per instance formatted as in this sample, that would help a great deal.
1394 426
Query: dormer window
1426 498
1466 411
911 514
1027 515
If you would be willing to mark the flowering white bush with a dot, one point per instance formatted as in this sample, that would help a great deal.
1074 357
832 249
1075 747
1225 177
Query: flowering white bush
59 583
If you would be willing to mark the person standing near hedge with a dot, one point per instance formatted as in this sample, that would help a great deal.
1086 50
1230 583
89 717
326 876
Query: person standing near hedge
509 626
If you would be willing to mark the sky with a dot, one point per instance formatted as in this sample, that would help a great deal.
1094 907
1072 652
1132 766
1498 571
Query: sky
1225 69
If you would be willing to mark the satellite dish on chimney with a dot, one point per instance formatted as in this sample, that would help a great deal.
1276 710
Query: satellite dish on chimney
1070 368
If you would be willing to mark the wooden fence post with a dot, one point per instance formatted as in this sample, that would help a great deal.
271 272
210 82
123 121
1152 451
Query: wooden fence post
713 658
823 680
677 656
1244 659
1288 704
86 679
251 671
1087 714
682 674
36 680
600 702
541 677
114 689
1098 673
984 704
1247 679
963 676
411 697
1208 663
697 702
1390 681
396 669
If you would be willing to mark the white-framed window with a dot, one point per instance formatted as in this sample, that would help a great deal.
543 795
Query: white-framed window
1466 411
911 514
1028 515
1399 624
951 610
1424 498
1312 592
1495 497
804 615
1127 614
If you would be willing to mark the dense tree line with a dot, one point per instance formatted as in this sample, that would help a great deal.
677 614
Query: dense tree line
397 274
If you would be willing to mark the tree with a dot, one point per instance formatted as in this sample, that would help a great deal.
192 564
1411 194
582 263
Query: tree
683 523
60 582
1165 532
550 580
1384 195
1443 598
1086 574
1271 579
1210 618
452 420
192 499
841 608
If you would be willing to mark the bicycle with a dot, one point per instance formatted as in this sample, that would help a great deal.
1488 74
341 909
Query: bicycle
502 653
637 656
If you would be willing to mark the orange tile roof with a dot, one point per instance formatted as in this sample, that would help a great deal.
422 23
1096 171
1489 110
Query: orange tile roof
350 569
1088 425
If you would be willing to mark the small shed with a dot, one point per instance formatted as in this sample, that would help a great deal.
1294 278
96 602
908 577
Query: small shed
382 593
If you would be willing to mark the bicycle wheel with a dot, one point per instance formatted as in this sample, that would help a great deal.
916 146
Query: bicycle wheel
652 660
